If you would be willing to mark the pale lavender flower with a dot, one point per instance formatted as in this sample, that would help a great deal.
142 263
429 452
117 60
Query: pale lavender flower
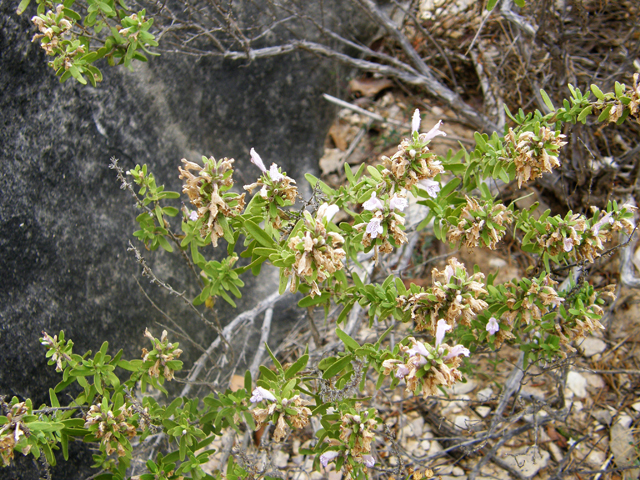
441 329
260 394
418 349
369 461
326 457
415 121
601 222
374 228
257 161
456 352
398 203
434 132
373 203
568 244
275 175
402 370
493 326
449 272
430 186
193 216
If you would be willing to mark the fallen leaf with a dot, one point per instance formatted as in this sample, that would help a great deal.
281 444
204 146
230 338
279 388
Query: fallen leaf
369 87
236 383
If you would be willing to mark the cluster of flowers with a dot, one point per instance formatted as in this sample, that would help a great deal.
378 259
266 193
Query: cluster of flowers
357 431
534 154
109 427
619 105
56 350
277 188
318 253
206 193
587 322
290 411
602 231
163 352
480 223
11 431
384 215
455 296
413 163
424 367
53 27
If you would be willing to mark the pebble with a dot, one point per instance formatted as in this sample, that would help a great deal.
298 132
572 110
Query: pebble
281 459
462 422
594 380
592 346
457 471
577 384
527 460
462 388
623 446
333 475
483 411
603 416
484 394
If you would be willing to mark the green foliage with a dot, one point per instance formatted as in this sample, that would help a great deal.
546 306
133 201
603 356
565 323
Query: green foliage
459 313
107 30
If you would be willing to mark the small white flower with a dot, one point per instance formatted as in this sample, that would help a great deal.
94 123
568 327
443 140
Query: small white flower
193 216
568 244
398 203
327 211
373 203
434 132
275 175
458 298
493 326
441 329
415 121
326 457
430 186
457 351
260 394
369 461
257 161
374 228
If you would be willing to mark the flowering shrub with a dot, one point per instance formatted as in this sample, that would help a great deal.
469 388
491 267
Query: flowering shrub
459 313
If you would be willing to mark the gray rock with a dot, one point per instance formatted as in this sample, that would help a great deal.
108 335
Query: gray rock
527 460
591 346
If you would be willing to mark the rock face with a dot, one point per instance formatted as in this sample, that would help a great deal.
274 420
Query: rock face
65 224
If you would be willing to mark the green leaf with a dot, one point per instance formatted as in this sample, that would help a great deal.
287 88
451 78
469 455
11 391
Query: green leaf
337 366
296 367
268 374
259 234
273 357
584 114
491 4
547 100
347 340
310 301
23 6
247 381
605 113
375 174
597 92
